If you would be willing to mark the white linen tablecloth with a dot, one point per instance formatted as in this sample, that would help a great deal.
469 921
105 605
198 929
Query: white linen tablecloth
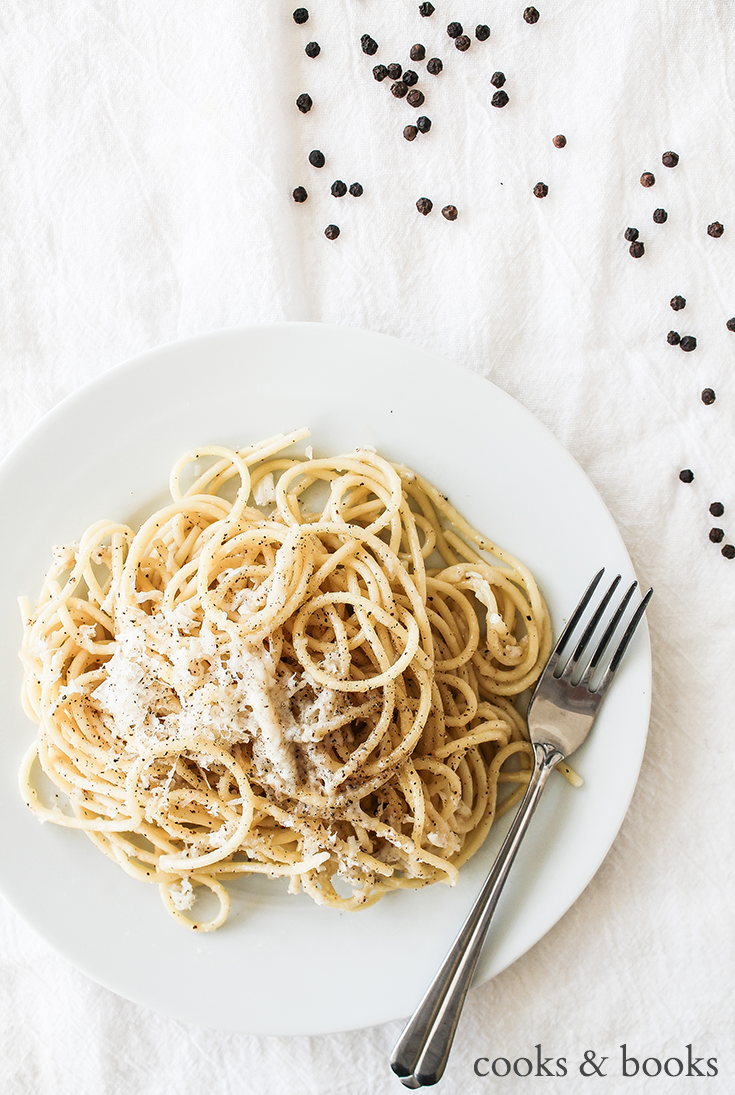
149 152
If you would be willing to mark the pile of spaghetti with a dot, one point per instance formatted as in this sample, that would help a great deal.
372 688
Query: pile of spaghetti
299 667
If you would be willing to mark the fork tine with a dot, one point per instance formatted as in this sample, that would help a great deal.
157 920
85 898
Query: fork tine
589 631
609 632
573 621
623 645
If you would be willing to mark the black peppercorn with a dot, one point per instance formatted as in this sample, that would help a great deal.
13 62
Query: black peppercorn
423 124
399 89
380 72
415 97
717 509
426 10
729 551
299 194
410 77
673 338
688 343
450 212
338 189
356 190
312 49
417 52
687 475
648 178
631 234
497 79
316 158
331 231
540 190
410 132
637 249
482 32
434 66
559 141
716 535
369 45
454 30
677 303
304 103
395 71
462 43
424 205
531 15
731 324
660 216
669 159
708 397
300 15
500 98
715 229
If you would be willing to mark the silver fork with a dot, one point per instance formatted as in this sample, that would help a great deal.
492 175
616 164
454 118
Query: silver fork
563 708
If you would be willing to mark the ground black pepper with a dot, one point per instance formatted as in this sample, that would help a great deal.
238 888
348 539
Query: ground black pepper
688 343
482 32
417 52
304 103
673 338
454 30
631 234
399 89
497 79
717 509
424 205
648 178
660 216
559 141
299 194
687 475
423 124
434 66
462 43
338 188
426 10
380 72
729 551
708 397
500 98
669 159
416 97
450 212
731 324
300 15
312 49
716 535
531 15
637 249
677 303
395 71
715 229
356 190
331 231
540 190
369 45
410 132
410 77
316 158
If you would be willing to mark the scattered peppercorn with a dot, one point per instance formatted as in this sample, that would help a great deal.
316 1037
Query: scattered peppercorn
497 79
482 32
648 178
716 535
399 89
660 216
637 249
715 229
410 77
677 303
687 475
410 132
380 72
426 10
299 194
300 15
424 205
670 159
688 343
559 141
462 43
331 231
338 188
500 98
454 30
312 49
673 338
316 158
450 212
731 324
729 551
356 190
418 52
304 103
541 190
395 71
369 45
531 15
631 234
416 97
434 66
717 509
423 124
708 397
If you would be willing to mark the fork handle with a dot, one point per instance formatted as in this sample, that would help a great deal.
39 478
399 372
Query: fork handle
420 1055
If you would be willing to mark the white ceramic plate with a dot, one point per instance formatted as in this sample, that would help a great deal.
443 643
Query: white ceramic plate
281 965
